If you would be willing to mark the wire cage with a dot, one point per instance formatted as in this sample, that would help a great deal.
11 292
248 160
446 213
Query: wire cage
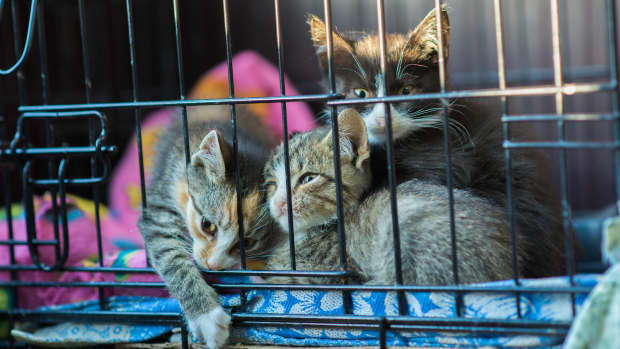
29 168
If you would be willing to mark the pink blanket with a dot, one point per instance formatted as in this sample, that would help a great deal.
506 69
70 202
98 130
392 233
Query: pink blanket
121 240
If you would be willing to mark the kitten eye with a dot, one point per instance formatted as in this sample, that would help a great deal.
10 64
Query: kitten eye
208 227
307 178
361 93
406 90
271 185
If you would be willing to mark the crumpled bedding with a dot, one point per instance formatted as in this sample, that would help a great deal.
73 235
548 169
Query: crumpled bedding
538 306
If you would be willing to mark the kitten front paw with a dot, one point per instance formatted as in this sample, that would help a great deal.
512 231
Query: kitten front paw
211 327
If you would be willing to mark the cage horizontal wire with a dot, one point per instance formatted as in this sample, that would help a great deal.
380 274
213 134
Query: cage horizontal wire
18 158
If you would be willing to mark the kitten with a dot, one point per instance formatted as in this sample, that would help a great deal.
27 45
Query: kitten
482 233
193 212
476 134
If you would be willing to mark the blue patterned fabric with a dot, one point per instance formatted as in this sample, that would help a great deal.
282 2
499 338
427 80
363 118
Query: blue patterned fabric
540 306
80 334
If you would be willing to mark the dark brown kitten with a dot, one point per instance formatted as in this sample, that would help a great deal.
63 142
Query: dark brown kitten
475 133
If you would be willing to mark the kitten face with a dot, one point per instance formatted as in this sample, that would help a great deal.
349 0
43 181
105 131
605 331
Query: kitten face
411 68
313 186
210 206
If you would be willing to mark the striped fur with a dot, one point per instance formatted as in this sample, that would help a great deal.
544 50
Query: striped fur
179 199
483 244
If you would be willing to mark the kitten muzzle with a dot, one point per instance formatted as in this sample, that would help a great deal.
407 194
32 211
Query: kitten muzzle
380 124
281 208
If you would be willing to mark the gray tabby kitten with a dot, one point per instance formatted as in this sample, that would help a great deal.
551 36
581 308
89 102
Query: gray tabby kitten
482 231
200 220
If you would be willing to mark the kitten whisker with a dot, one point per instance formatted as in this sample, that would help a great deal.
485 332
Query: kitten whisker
352 71
422 112
399 74
463 106
456 110
257 228
435 121
359 65
411 65
421 119
399 67
324 114
460 130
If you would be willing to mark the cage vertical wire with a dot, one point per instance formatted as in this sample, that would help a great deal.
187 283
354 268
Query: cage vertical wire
21 155
497 5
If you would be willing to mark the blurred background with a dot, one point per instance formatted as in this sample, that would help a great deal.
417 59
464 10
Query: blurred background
472 62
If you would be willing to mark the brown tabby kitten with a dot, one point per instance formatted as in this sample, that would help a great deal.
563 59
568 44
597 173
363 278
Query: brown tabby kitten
476 135
200 220
482 233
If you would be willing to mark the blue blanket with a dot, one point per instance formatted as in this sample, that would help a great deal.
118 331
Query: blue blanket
538 306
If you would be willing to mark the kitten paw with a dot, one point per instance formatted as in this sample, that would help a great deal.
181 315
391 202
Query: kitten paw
211 327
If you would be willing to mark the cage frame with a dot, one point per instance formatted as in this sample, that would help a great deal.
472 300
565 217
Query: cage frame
57 182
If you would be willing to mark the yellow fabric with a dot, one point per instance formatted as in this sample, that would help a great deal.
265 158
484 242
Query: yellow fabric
4 305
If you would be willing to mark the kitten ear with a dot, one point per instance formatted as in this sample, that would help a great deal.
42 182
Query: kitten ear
213 154
352 135
342 47
423 41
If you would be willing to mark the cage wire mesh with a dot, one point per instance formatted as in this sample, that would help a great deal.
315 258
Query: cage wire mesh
29 168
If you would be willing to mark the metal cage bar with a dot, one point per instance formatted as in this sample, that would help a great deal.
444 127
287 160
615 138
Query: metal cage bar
613 76
559 107
287 161
335 99
501 69
346 297
441 63
49 126
57 178
91 139
233 119
21 57
21 99
181 75
134 96
402 301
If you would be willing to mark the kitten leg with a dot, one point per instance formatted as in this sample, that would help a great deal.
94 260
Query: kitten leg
212 327
169 255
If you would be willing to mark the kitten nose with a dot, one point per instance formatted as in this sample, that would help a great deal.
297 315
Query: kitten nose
214 266
381 122
282 207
